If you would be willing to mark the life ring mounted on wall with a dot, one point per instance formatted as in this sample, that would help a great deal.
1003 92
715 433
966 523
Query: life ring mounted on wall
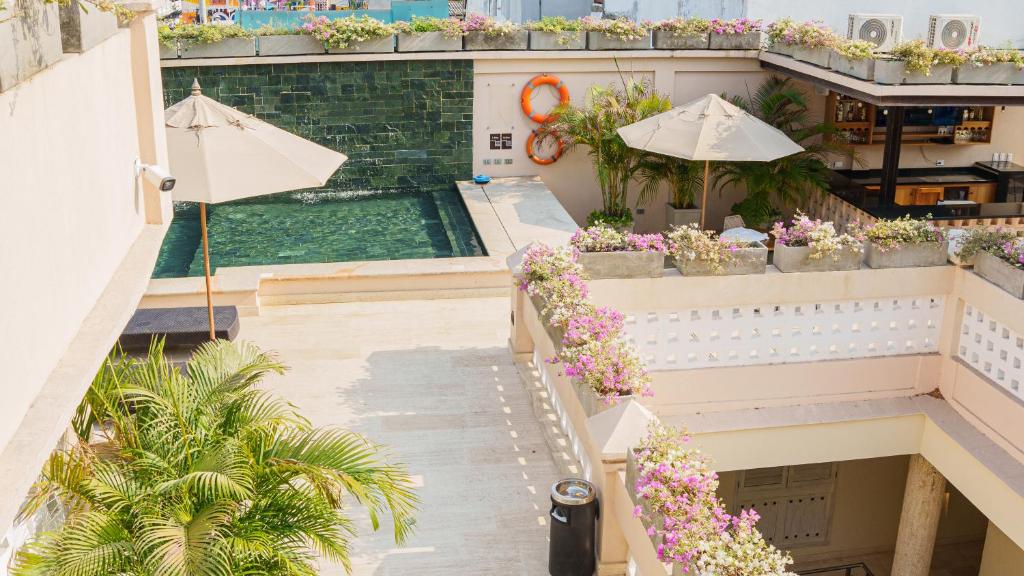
526 102
531 140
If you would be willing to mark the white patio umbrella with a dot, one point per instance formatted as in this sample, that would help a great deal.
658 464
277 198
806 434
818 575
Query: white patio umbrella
709 128
219 154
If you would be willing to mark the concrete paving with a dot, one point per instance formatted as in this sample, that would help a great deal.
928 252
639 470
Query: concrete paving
434 381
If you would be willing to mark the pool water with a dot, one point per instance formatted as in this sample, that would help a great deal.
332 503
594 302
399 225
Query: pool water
307 227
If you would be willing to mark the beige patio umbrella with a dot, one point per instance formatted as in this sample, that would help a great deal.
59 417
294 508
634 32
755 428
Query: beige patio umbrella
219 154
709 129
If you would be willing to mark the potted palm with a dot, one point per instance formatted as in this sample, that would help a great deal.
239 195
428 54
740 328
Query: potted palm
903 243
281 41
429 35
203 472
607 253
789 180
814 246
556 33
738 34
483 33
595 126
616 34
1003 266
702 253
684 178
915 62
681 34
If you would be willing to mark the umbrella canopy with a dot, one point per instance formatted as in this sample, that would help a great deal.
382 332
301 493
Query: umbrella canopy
219 154
709 128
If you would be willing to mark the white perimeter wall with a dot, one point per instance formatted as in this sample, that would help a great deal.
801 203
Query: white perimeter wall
69 209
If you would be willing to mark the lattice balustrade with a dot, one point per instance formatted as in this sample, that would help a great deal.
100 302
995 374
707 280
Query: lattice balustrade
992 349
779 334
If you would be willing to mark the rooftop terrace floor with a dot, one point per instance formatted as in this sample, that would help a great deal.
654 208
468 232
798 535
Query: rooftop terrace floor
432 379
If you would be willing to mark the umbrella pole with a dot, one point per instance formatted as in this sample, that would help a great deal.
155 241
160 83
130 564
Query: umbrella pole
704 198
206 268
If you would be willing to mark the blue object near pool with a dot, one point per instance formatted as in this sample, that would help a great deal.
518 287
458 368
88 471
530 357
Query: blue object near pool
307 227
481 179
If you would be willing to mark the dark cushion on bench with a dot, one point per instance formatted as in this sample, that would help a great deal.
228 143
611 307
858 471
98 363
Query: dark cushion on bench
181 327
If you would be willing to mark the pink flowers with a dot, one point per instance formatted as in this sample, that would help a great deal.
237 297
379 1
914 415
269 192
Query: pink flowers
736 26
820 236
1012 253
606 239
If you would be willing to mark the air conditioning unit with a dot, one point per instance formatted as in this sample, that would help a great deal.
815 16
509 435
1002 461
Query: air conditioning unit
882 30
953 31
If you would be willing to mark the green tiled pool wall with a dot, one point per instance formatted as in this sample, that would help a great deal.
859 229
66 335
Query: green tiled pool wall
403 124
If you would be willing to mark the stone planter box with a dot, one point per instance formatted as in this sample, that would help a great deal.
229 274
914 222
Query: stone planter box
816 56
227 48
518 40
168 52
556 333
747 41
29 42
863 68
80 30
1001 273
752 260
784 49
895 72
592 403
428 42
998 73
601 41
664 40
909 256
680 216
600 265
375 46
557 40
289 45
797 259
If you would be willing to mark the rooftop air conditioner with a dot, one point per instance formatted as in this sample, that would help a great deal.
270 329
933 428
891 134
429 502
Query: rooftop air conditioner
953 31
882 30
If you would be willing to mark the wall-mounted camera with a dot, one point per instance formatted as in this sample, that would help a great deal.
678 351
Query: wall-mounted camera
156 175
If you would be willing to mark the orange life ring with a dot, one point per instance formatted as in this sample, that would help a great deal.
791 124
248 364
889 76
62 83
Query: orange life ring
527 104
539 160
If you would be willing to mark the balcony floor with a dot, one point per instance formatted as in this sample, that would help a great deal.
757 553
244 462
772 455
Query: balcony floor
434 381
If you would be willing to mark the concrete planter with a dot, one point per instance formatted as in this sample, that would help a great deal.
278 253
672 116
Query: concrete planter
227 48
29 40
289 45
375 46
680 216
747 41
592 403
556 333
1001 273
80 29
169 52
632 474
816 56
909 256
863 68
518 40
557 40
752 260
784 49
601 41
428 42
797 259
895 72
665 40
998 73
600 265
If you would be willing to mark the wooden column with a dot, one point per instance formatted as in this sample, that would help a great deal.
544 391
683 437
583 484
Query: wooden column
891 154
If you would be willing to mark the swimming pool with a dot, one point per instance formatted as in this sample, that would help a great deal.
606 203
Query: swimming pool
308 227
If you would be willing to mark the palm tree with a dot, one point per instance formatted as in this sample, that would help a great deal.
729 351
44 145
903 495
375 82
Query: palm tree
685 177
789 180
205 475
595 126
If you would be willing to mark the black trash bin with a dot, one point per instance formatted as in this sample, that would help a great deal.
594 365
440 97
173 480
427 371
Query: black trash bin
573 528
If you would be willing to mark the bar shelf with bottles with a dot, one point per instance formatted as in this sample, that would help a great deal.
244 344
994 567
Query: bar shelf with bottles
858 123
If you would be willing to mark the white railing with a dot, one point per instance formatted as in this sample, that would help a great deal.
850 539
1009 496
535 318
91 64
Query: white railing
992 349
752 335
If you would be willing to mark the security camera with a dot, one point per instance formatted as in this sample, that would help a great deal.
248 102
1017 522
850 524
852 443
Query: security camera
155 175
